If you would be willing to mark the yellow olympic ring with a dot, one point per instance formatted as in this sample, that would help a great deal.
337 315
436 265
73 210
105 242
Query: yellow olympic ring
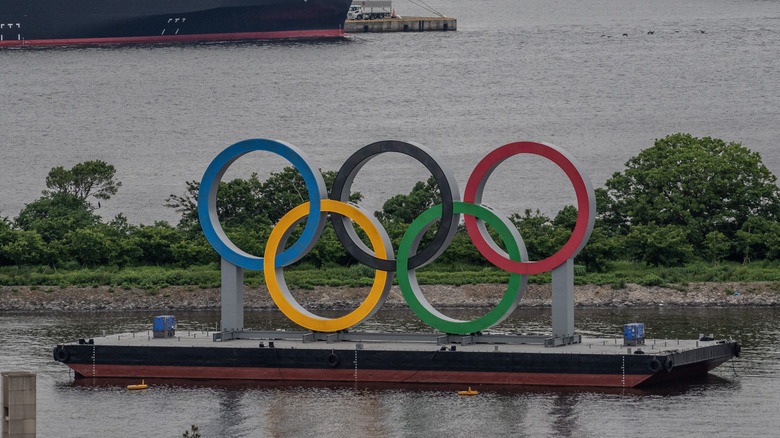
274 276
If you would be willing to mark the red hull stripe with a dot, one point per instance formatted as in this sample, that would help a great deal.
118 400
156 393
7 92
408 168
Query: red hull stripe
350 375
181 38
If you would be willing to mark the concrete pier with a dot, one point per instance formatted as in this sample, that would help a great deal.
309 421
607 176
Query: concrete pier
19 404
401 24
232 296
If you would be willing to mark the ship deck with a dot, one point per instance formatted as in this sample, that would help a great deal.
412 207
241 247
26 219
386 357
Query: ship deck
399 342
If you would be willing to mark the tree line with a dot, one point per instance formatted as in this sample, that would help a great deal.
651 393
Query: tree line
683 200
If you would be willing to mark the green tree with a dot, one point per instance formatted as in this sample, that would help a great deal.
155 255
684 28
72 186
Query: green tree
610 214
92 246
702 185
187 206
328 251
540 236
239 201
282 192
90 178
566 218
24 247
128 246
659 245
286 190
404 209
102 244
716 246
248 209
400 211
772 239
751 239
194 251
250 201
462 251
52 216
6 236
600 251
121 225
157 243
601 248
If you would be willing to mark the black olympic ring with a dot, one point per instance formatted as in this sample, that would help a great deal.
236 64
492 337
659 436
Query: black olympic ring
449 194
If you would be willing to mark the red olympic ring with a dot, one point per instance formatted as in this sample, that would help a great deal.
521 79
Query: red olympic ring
586 207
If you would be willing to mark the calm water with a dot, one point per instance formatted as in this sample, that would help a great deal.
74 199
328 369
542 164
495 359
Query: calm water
738 398
546 70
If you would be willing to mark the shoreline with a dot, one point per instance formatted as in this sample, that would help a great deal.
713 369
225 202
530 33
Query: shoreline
19 299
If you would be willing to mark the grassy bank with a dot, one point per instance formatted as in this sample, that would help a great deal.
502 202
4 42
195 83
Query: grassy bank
153 278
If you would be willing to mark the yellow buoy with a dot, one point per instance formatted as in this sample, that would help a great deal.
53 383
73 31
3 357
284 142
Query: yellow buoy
141 386
469 392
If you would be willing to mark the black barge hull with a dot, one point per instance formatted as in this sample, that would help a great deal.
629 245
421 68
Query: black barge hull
57 22
468 364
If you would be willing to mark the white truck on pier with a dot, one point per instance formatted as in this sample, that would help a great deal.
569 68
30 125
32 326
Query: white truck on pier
370 10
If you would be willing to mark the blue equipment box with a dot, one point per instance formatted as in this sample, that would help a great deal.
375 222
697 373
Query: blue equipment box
164 322
634 334
634 330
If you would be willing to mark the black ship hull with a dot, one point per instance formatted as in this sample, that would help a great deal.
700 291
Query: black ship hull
56 22
553 367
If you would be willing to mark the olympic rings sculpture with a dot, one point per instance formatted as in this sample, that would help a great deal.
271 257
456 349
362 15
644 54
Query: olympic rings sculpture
514 260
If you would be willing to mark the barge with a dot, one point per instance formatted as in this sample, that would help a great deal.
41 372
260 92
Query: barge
394 358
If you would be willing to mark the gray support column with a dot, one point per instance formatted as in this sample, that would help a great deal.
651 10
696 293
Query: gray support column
232 296
563 299
18 405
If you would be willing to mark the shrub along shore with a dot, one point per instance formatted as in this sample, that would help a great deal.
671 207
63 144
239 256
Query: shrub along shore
197 288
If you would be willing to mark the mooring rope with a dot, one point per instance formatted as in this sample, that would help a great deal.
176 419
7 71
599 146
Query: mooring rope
425 6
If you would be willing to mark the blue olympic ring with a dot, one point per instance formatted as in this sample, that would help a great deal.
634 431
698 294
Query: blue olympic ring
207 203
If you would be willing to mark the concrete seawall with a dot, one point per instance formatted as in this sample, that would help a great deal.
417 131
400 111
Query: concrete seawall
401 24
105 298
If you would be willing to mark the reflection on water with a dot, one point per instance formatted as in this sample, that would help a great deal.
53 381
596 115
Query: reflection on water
745 389
564 415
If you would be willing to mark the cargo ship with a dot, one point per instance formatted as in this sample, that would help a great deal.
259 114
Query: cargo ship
59 22
496 359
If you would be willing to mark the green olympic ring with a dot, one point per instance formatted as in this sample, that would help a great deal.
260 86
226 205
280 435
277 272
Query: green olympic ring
407 280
